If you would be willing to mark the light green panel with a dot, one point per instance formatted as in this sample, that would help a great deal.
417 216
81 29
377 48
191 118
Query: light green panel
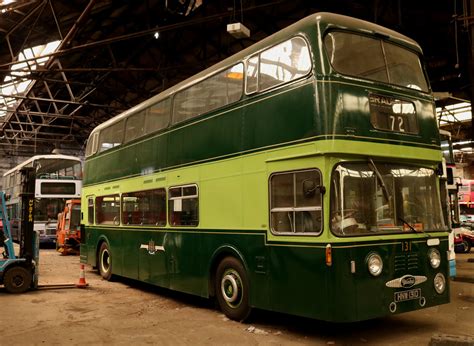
221 169
148 182
254 163
234 192
183 176
254 190
231 186
219 201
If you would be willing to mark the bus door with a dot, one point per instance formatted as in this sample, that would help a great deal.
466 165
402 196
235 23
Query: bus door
183 244
143 213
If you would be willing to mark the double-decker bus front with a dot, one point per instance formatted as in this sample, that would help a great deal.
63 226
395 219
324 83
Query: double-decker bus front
388 240
57 180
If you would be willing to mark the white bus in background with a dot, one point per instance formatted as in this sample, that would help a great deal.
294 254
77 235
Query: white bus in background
451 189
58 178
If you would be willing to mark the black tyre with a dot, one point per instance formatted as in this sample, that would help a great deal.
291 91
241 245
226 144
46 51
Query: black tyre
467 246
104 262
17 280
232 289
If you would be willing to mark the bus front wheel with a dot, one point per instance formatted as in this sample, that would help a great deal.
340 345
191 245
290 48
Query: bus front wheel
105 261
232 289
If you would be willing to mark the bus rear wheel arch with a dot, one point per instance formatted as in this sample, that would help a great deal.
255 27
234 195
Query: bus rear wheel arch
232 289
104 261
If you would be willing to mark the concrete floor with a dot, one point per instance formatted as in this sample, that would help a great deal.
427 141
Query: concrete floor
125 312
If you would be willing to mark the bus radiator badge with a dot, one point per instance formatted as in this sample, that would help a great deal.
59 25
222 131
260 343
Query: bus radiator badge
406 281
152 248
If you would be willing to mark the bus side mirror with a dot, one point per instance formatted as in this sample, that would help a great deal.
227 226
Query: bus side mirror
310 187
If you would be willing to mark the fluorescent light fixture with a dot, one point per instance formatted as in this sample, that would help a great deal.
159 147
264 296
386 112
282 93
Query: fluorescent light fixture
238 30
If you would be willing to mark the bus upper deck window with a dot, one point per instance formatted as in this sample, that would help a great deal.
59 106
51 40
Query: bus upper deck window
284 62
251 77
375 59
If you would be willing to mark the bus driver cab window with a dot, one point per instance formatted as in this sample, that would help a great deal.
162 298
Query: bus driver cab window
296 202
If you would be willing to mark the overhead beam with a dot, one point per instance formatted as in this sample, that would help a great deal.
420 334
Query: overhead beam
30 98
38 124
38 133
138 34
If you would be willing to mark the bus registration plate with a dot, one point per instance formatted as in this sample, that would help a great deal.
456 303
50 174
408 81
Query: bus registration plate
407 295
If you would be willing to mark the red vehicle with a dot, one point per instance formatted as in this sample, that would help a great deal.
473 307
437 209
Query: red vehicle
466 194
68 232
463 240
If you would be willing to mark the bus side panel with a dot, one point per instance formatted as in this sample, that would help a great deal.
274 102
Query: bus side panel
131 239
291 118
134 159
299 281
182 263
213 137
152 259
280 118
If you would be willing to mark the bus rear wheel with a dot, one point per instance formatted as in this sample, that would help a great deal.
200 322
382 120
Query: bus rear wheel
232 289
105 262
17 280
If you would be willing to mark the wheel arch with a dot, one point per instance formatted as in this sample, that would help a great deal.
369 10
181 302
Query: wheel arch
102 239
219 254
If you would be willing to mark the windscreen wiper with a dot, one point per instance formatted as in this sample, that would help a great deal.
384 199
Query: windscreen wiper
413 228
380 179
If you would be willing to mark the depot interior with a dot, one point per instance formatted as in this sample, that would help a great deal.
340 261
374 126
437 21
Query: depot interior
67 66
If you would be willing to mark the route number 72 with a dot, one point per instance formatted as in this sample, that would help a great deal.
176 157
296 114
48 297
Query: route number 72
396 123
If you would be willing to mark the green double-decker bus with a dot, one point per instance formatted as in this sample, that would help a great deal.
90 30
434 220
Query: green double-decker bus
299 175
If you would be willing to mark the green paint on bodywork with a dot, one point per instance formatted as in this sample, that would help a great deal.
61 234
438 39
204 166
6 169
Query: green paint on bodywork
316 121
234 217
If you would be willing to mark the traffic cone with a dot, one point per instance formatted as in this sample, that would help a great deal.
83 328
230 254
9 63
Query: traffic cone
82 279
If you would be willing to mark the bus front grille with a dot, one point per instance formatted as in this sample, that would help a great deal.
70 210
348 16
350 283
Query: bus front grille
406 262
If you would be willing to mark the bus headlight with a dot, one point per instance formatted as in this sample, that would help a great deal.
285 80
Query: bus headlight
375 264
439 283
435 258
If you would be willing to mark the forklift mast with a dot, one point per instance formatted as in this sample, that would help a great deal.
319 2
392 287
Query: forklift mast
27 194
6 237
